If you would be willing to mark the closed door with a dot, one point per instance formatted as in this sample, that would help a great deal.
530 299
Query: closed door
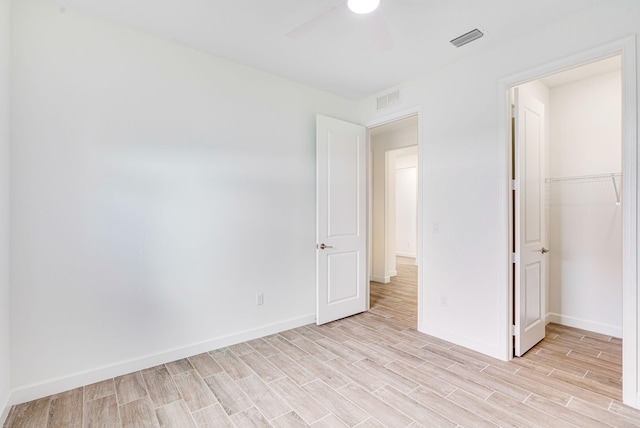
341 257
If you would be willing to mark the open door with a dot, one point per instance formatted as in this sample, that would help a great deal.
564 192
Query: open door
341 257
530 234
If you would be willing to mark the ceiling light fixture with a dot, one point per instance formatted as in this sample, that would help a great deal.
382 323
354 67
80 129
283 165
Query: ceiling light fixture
363 6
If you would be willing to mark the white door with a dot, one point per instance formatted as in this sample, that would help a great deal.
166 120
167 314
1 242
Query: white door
341 257
530 232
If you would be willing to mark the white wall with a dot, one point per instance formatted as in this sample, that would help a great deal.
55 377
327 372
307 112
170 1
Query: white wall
585 127
406 208
584 222
383 259
5 369
156 190
463 166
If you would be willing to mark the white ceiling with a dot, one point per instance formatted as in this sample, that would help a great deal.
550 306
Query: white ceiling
347 54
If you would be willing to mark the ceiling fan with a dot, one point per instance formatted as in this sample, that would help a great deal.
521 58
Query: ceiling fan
377 27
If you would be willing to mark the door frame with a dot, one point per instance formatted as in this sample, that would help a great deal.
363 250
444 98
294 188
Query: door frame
383 120
625 47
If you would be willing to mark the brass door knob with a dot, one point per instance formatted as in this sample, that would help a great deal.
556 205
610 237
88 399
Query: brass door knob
323 246
543 250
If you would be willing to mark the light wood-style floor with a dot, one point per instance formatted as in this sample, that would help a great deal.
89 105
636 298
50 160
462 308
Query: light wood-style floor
365 371
398 300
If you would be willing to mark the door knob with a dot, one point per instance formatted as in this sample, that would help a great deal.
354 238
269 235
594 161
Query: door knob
322 246
543 250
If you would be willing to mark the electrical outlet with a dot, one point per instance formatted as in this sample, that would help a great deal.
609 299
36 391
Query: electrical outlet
259 299
443 300
436 227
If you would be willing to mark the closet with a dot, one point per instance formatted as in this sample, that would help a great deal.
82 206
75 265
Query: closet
583 197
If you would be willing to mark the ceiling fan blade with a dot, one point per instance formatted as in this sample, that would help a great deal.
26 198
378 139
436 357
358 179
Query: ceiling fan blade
380 33
316 22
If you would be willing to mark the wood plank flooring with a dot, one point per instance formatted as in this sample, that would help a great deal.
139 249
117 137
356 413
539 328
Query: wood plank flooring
363 371
370 370
398 300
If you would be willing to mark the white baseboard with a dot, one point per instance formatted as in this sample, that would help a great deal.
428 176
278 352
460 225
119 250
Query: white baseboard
54 386
380 279
6 406
393 273
410 255
464 341
584 324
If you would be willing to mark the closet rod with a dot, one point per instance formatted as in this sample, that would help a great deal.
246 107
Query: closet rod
612 176
583 177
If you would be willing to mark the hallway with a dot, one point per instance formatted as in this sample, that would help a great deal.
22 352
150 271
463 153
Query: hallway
398 300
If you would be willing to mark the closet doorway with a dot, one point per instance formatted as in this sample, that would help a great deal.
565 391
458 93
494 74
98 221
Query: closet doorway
572 291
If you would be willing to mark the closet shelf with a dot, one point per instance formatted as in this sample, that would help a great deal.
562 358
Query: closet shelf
584 177
589 178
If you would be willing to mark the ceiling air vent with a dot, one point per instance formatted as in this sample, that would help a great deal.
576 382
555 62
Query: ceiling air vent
467 38
388 100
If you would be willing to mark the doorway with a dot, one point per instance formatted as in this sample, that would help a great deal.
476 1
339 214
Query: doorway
626 181
344 250
575 177
576 291
393 291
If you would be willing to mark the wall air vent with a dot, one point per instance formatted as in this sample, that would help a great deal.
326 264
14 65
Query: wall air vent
388 100
467 38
